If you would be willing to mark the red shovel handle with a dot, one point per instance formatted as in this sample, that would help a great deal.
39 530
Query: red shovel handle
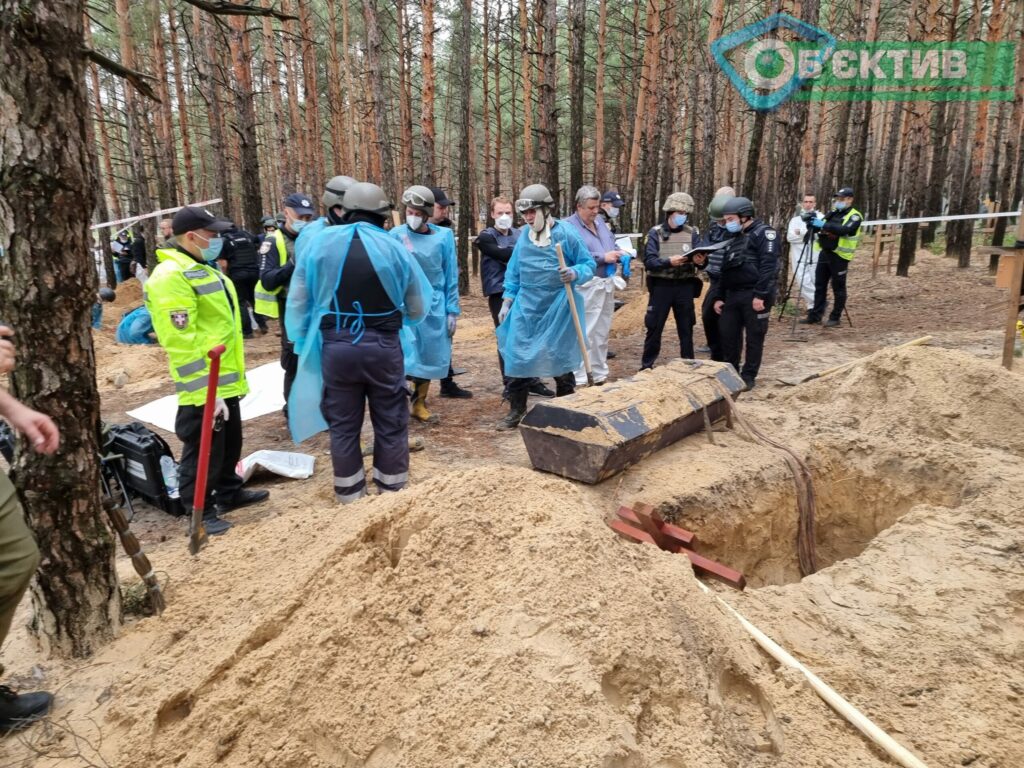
205 443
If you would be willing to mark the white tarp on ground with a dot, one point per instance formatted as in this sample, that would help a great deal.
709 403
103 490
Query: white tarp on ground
266 395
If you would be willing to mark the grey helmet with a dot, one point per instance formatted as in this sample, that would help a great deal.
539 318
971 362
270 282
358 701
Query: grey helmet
335 190
739 206
420 198
716 208
534 196
107 294
364 196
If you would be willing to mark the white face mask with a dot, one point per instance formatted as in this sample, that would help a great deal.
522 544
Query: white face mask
414 222
504 221
613 212
539 221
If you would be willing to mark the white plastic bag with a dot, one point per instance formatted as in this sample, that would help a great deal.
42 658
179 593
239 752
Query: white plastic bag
294 465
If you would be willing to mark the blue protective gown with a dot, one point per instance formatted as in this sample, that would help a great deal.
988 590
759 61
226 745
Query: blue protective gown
312 294
538 337
428 347
308 233
135 327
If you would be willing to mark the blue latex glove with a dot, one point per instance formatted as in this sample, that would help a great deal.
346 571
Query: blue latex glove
626 258
818 223
568 274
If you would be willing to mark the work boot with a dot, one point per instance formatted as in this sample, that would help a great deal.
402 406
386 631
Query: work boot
565 385
19 711
517 410
539 389
243 498
214 525
748 383
832 323
419 402
809 320
611 355
450 389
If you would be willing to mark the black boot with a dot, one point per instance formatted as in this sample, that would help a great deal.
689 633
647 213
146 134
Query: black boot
538 388
18 711
517 410
450 389
565 384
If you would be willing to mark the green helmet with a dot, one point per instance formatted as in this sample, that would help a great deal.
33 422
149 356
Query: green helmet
534 196
268 221
739 206
419 198
335 190
678 201
364 196
715 209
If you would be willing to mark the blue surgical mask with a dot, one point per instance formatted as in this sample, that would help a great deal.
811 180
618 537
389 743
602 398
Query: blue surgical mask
733 226
212 250
841 205
678 220
297 225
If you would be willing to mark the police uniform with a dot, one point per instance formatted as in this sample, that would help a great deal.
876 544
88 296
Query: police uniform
495 249
194 308
838 240
671 289
277 262
244 269
748 271
716 233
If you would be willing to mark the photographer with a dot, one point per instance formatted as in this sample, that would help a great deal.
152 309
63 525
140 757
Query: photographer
803 253
838 235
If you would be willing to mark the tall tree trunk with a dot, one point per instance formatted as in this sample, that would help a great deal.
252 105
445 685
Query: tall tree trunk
297 136
577 46
707 118
487 106
241 56
179 92
374 54
914 149
346 63
405 91
600 168
527 75
936 171
1014 159
753 154
466 109
102 212
643 92
548 126
167 159
335 100
498 132
427 131
101 120
211 93
47 290
315 145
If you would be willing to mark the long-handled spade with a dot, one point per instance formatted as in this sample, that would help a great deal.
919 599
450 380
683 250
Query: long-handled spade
575 319
197 531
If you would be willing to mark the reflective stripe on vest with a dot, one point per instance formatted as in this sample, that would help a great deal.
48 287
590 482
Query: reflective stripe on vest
202 381
847 245
265 301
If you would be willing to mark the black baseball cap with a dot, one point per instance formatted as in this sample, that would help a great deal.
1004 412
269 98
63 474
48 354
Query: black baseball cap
844 192
192 217
300 203
440 198
614 198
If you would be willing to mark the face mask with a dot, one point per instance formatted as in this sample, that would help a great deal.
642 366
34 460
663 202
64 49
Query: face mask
733 226
613 213
504 221
212 249
678 219
297 225
414 222
538 222
841 205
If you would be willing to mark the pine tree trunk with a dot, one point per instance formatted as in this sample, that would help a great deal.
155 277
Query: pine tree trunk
241 57
643 91
314 143
527 75
465 182
577 73
47 290
179 91
335 100
374 54
101 120
548 127
346 63
167 159
1014 156
707 117
406 170
211 92
914 149
427 132
297 136
496 187
600 167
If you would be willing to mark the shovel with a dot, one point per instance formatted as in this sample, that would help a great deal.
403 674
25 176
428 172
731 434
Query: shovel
792 382
575 318
197 531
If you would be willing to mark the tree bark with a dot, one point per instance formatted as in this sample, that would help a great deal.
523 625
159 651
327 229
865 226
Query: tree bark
914 149
405 92
241 56
311 102
374 54
643 91
427 132
526 73
577 46
600 167
182 111
465 183
1013 163
335 101
167 159
211 94
298 138
548 128
47 290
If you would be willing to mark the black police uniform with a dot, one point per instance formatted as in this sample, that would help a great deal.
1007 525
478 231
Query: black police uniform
244 270
716 233
831 266
274 275
749 269
671 289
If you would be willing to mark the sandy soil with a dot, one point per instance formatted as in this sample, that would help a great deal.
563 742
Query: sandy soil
487 617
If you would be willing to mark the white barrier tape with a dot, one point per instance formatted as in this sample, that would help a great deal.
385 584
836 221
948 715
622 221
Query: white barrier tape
926 219
133 219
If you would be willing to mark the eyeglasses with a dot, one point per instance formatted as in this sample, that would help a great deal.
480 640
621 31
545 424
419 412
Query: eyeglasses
415 199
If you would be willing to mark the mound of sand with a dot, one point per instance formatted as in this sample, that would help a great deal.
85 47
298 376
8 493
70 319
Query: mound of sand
134 366
484 618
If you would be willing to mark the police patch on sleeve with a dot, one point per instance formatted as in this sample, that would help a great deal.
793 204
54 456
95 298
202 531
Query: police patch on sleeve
855 218
265 248
179 319
769 235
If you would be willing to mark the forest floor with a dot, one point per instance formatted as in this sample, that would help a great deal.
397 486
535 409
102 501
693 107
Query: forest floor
486 616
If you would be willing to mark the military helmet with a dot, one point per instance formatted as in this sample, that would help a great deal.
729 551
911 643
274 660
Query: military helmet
718 202
107 294
740 206
364 196
335 190
729 191
268 221
419 198
678 201
534 196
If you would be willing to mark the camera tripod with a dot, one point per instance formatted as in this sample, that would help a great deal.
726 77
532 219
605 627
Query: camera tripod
805 252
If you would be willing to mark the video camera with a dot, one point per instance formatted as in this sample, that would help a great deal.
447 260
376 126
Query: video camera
808 216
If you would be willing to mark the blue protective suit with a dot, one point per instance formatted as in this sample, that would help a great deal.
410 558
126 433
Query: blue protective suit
538 337
305 238
135 327
428 347
312 294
